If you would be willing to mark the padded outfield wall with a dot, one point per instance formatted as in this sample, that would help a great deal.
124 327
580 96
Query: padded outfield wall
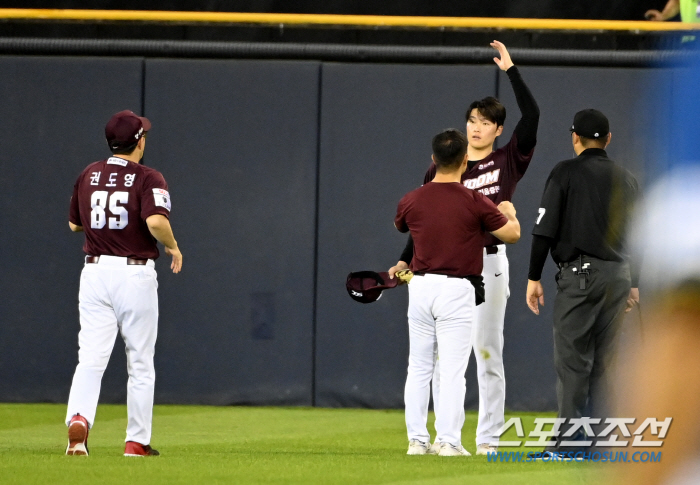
284 176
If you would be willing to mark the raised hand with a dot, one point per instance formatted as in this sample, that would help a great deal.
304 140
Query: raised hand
504 62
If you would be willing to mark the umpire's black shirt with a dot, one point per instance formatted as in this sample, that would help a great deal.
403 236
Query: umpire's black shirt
585 209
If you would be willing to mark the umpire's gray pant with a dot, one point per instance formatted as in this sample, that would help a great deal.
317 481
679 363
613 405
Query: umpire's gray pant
586 323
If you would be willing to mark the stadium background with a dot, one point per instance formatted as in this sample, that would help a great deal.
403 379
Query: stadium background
285 176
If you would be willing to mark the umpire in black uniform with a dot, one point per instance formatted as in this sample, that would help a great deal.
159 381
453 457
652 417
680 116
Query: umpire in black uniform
586 206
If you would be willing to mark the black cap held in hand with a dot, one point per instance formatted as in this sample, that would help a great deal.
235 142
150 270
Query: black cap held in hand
367 286
590 123
125 129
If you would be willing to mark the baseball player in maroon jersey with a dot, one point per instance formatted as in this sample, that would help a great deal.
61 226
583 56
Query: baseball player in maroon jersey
495 175
448 223
123 207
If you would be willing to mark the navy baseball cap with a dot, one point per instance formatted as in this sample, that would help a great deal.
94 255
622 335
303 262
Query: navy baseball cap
367 286
125 129
590 123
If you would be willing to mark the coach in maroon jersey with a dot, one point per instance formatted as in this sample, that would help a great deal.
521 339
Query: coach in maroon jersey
494 174
448 223
123 208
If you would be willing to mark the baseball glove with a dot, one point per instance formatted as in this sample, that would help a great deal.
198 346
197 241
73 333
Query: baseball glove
404 276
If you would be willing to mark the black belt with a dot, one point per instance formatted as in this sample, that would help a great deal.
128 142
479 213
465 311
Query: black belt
131 261
491 249
579 260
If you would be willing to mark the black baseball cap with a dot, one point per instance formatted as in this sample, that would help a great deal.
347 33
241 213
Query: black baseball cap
125 129
367 286
590 123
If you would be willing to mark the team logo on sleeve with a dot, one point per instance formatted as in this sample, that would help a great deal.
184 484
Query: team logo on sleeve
161 198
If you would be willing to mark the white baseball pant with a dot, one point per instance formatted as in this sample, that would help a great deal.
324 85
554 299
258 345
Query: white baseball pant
487 340
440 314
115 297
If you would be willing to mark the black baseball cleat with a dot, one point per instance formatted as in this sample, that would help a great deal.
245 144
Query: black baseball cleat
137 449
78 431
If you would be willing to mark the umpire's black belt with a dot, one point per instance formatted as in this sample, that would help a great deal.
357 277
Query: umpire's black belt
584 259
131 261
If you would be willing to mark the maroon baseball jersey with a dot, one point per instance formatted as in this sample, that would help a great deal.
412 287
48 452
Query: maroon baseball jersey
448 223
495 176
111 200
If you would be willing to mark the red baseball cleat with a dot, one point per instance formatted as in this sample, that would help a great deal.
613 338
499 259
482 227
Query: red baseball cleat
137 449
78 431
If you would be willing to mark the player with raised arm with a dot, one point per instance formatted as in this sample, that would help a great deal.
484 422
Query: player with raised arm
123 207
448 222
494 173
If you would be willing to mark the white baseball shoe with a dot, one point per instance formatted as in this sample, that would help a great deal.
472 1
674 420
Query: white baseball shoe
448 449
485 449
78 431
417 447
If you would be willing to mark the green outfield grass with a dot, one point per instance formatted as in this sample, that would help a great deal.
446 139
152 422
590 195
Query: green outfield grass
201 444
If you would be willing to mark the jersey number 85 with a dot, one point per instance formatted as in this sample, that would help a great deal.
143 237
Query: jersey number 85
98 216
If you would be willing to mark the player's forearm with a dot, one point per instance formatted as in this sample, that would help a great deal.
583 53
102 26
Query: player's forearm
526 129
538 256
672 8
526 101
159 226
510 232
514 231
407 254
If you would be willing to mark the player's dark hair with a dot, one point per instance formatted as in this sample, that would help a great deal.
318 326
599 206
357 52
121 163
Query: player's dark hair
490 108
593 142
124 151
449 149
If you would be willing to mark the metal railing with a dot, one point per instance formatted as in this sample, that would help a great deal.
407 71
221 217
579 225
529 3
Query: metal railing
333 52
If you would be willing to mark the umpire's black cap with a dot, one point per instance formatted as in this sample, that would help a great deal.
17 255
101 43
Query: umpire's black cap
590 123
367 286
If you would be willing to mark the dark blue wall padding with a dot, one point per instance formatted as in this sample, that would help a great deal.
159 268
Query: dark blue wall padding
52 117
285 177
237 143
